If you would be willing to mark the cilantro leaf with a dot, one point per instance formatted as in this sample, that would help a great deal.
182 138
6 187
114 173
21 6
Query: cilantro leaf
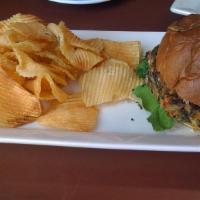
142 68
159 117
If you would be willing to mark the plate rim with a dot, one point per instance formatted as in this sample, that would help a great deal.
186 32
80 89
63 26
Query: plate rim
83 2
140 142
176 8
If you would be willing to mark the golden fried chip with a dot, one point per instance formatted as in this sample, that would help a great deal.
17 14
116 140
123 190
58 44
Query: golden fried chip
128 52
96 43
49 105
4 49
80 57
61 31
25 18
6 63
4 42
9 66
10 37
58 64
72 115
15 76
85 60
45 88
10 55
39 87
71 74
53 58
28 68
14 37
58 93
74 40
33 30
29 46
65 47
17 105
111 81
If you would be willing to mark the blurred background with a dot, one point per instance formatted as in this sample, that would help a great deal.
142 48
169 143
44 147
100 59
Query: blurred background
140 15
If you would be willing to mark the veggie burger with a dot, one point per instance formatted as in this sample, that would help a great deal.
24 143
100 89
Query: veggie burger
172 76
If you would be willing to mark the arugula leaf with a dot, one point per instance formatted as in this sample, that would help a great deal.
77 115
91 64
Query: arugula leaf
142 68
160 120
149 101
154 120
159 117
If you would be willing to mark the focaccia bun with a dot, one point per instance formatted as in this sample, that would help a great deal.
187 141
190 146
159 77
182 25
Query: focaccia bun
178 58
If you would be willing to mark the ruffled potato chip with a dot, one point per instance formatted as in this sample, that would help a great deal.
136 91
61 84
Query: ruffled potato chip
85 60
4 49
59 64
57 92
9 66
52 57
74 40
96 43
17 105
4 42
29 46
45 88
65 47
72 115
111 81
75 50
33 30
39 87
25 18
9 38
128 52
61 31
6 63
15 76
29 68
10 55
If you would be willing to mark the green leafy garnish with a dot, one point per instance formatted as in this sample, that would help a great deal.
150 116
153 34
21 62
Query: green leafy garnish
149 101
160 120
142 68
159 117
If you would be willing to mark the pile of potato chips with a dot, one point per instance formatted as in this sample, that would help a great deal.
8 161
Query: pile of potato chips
38 62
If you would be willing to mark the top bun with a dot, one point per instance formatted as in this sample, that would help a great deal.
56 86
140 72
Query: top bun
178 58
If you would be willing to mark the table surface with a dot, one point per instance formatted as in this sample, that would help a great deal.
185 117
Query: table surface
39 172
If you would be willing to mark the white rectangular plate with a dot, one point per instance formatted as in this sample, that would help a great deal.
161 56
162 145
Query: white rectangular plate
115 128
186 7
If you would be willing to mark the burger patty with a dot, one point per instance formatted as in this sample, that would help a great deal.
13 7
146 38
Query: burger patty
182 110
